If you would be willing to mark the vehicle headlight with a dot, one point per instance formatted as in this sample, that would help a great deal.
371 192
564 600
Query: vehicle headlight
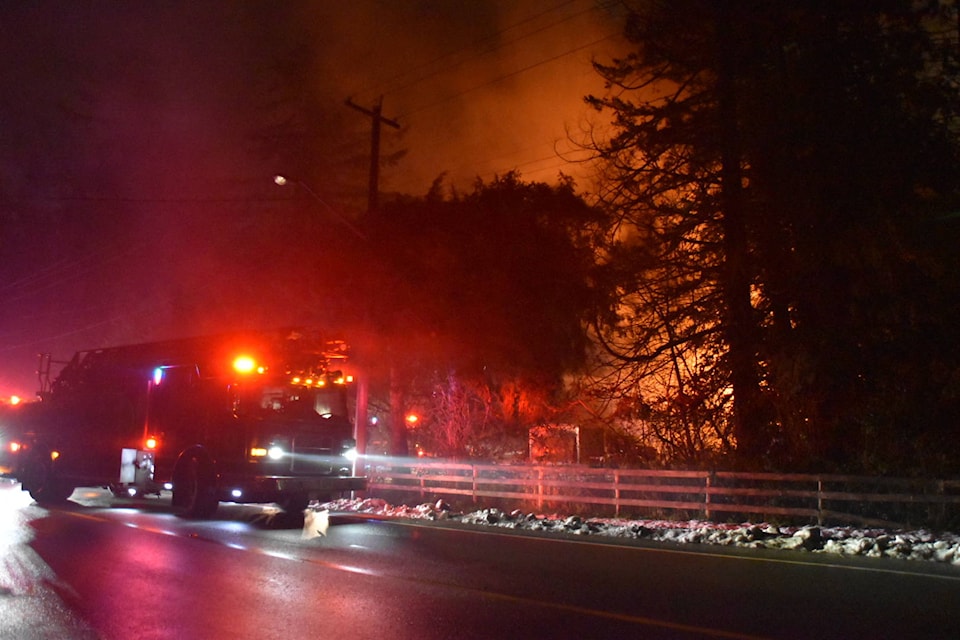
276 450
348 447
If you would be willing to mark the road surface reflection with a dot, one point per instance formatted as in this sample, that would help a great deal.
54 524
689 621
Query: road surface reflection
30 605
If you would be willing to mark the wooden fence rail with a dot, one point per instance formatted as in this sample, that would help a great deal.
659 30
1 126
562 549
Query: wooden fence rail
716 495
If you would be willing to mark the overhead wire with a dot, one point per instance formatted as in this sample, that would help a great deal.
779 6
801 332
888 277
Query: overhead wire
103 257
507 76
500 45
495 37
499 42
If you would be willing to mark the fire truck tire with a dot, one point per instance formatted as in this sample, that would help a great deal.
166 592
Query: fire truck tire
194 487
294 503
57 492
41 482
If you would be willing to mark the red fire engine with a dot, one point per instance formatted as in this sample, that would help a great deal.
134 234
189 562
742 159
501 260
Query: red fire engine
254 417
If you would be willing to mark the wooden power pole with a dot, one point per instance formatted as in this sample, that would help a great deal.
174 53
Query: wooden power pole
398 441
375 114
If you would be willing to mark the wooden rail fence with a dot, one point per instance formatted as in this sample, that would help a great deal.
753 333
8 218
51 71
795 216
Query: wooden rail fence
712 495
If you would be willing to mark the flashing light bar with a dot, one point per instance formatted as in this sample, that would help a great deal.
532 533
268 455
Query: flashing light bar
335 378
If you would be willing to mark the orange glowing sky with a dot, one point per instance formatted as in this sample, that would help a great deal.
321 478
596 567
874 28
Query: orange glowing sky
479 88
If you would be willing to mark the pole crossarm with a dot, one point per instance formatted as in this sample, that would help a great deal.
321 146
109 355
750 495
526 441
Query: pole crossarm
375 113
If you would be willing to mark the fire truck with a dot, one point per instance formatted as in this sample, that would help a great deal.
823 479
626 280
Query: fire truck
249 417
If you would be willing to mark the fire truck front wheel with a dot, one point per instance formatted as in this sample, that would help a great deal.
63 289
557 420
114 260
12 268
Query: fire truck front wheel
41 482
194 486
294 503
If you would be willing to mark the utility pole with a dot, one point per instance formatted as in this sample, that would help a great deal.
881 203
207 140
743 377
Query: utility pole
373 188
398 443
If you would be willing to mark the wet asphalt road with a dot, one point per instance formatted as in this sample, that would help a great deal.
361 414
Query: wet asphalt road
105 568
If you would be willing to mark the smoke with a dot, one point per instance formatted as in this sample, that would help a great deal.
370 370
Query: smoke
479 88
140 139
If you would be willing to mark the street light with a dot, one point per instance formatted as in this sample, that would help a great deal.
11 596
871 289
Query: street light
283 181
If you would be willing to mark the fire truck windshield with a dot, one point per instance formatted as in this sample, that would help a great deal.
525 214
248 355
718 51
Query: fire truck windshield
303 402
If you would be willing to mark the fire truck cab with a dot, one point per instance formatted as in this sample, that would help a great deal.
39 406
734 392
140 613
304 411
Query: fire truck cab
254 417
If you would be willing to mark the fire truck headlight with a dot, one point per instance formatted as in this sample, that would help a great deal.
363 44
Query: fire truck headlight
275 452
349 448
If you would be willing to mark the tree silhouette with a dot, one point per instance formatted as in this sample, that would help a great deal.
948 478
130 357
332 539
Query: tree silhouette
476 299
773 185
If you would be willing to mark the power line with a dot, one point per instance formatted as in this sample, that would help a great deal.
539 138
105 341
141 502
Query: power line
499 46
488 45
382 89
510 75
411 113
507 76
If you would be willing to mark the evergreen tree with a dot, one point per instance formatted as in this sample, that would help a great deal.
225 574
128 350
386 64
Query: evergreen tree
774 185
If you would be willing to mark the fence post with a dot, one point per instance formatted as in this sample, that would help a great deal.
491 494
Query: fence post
941 493
819 501
616 492
539 488
474 484
708 482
